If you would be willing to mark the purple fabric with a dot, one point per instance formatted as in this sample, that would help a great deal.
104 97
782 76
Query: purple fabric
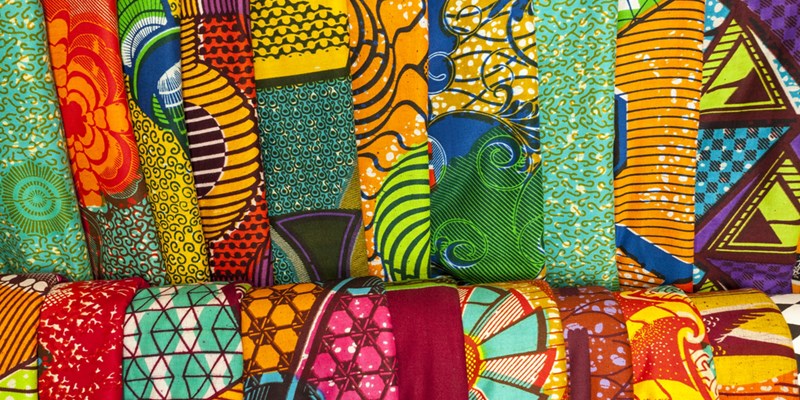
782 16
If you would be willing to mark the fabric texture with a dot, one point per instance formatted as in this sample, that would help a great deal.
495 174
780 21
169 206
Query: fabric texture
789 304
183 342
117 218
80 339
39 214
150 50
576 120
486 199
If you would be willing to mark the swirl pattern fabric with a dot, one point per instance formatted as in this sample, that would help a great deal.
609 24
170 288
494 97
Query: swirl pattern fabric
38 208
21 296
658 78
305 109
221 123
150 49
117 217
575 41
390 96
80 337
485 142
183 342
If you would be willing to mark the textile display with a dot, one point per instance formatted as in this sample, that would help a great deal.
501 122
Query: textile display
658 78
576 129
305 110
748 212
150 49
115 209
80 337
21 297
790 310
183 342
39 214
598 351
221 124
752 345
389 47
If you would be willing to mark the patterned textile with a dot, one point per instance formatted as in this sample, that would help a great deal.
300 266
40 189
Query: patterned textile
748 202
671 354
116 212
20 299
39 215
659 66
426 321
486 201
305 110
576 72
789 304
752 345
150 47
389 46
218 98
183 342
598 351
80 333
342 340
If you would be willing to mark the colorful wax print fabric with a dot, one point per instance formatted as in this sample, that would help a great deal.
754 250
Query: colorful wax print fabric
150 47
331 341
426 321
658 78
752 345
218 99
748 192
305 108
20 299
80 339
183 342
576 119
390 93
486 199
789 304
112 195
39 214
670 350
598 350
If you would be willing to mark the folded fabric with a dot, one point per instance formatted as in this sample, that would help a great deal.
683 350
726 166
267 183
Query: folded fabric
671 354
576 122
789 304
87 66
332 341
183 342
150 47
752 345
39 214
20 299
598 351
218 98
390 95
80 339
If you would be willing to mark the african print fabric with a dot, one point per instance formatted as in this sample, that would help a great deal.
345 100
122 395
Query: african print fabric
576 120
486 199
183 342
305 109
658 77
789 304
150 48
80 338
341 333
752 345
116 213
20 299
748 201
670 349
390 49
218 99
39 214
598 351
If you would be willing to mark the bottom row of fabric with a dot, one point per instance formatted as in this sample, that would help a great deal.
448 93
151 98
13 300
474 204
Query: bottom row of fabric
365 339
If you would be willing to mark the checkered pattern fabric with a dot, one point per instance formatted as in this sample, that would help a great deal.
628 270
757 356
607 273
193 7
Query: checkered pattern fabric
789 304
